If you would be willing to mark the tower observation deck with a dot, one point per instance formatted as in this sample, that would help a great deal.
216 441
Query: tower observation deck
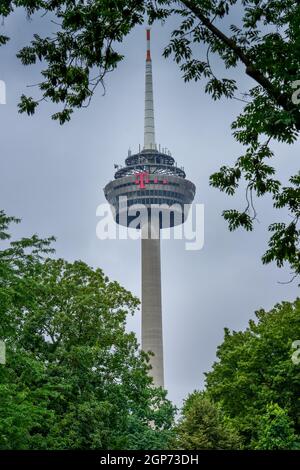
151 179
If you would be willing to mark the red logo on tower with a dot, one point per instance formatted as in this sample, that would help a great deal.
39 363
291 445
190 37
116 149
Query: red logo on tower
142 179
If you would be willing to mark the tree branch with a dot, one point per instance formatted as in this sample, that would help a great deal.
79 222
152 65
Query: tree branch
282 99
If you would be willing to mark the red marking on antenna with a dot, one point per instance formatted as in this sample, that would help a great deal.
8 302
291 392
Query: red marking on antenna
148 57
148 34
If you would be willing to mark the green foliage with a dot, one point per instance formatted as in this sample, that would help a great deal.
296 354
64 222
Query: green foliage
27 105
17 262
284 243
255 381
74 377
203 426
267 45
275 431
80 52
264 42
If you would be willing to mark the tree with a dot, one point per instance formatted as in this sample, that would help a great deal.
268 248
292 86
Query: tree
74 377
203 426
264 43
255 380
17 260
276 431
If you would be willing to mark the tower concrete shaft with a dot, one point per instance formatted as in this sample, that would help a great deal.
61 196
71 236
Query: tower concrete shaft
152 332
149 129
152 335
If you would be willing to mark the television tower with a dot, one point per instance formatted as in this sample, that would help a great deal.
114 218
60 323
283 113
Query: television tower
151 180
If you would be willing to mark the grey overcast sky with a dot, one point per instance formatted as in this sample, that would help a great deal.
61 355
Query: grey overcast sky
53 178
